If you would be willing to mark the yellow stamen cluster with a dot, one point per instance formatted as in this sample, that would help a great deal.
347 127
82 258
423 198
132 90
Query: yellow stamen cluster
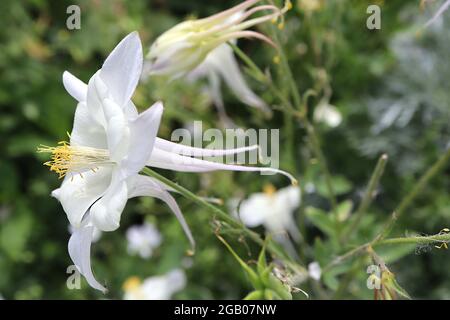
131 283
66 158
269 189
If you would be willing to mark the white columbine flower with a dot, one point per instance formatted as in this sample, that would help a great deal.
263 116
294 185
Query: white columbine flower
155 288
183 47
273 209
328 114
143 239
221 64
314 270
109 145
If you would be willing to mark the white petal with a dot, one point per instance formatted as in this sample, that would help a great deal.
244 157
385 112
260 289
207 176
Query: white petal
172 161
122 69
143 132
80 253
86 131
106 212
222 59
74 86
97 92
198 152
142 186
253 211
289 197
77 193
117 130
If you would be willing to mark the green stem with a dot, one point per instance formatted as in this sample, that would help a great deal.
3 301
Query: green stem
272 247
405 203
302 116
367 198
411 196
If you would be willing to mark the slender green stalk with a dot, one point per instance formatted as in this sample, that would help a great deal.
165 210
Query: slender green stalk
222 215
315 144
367 198
423 181
434 239
411 196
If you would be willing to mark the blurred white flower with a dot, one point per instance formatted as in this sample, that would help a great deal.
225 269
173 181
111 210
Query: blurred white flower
273 209
221 64
142 239
109 145
183 47
155 288
328 114
314 270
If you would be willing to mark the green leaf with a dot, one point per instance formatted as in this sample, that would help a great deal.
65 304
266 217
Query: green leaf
340 186
254 279
323 221
255 295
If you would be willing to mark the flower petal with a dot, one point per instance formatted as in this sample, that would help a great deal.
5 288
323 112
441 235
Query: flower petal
86 131
117 130
80 253
122 69
97 92
77 193
142 186
74 86
223 61
198 152
143 132
106 212
172 161
253 211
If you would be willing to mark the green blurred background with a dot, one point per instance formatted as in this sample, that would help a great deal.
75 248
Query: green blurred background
391 87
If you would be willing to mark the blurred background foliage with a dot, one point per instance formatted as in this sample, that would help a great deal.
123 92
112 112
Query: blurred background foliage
390 85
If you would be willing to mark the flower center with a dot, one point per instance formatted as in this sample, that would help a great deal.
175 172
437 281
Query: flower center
269 190
132 283
66 158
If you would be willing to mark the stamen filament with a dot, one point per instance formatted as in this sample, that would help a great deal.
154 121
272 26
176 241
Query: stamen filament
66 158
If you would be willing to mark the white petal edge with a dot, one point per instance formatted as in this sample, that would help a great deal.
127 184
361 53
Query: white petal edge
122 68
106 212
184 150
74 86
143 186
143 132
77 193
172 161
80 252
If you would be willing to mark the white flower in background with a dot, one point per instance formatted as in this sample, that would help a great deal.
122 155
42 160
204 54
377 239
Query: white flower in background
142 239
109 145
155 288
328 114
183 47
273 209
314 270
221 64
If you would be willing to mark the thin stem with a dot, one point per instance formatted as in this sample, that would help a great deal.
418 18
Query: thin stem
411 196
423 181
367 198
438 238
315 144
272 247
